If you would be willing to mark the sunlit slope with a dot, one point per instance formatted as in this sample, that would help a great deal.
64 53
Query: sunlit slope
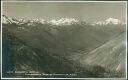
110 55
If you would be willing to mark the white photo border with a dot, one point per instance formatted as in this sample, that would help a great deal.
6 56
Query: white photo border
66 2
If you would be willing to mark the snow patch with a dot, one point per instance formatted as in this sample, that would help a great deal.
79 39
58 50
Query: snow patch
64 21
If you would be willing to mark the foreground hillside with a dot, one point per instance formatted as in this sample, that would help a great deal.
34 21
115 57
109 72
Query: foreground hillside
80 49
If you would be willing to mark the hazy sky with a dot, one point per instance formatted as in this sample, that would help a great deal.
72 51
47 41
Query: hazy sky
88 11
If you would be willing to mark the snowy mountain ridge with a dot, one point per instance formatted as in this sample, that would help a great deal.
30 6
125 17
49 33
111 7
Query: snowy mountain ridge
110 21
61 21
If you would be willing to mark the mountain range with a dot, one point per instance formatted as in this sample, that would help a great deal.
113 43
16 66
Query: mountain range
66 45
110 21
61 21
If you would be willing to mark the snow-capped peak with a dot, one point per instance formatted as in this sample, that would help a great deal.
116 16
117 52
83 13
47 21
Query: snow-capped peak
38 20
22 20
7 20
31 22
63 21
110 21
113 21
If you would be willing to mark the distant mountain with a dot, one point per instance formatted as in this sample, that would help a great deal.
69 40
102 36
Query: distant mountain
110 21
64 21
7 20
60 22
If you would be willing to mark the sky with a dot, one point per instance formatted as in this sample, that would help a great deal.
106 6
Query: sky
89 11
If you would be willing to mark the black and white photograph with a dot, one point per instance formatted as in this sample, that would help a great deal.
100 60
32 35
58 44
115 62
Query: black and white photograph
64 39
